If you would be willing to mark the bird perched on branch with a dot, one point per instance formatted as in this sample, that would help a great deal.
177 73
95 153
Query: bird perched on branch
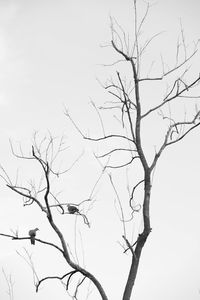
32 234
73 209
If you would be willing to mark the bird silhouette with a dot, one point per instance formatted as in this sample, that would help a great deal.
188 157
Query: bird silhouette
32 234
72 209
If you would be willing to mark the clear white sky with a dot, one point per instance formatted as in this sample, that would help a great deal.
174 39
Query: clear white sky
50 56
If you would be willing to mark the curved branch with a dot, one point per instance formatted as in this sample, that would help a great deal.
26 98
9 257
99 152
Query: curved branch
55 277
123 165
170 71
167 100
133 190
17 190
78 285
167 143
114 150
15 237
109 136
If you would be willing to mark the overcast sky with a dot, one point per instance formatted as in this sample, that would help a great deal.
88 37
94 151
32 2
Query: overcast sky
51 54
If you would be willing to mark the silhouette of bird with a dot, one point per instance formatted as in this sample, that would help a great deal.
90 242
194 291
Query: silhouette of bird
32 234
72 209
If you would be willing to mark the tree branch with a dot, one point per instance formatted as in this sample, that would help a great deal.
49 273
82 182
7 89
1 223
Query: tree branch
167 100
55 277
167 143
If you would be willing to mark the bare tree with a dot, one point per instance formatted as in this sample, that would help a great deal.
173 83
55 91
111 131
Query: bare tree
128 107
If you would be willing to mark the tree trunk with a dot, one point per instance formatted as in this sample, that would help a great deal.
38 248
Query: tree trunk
134 265
136 253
